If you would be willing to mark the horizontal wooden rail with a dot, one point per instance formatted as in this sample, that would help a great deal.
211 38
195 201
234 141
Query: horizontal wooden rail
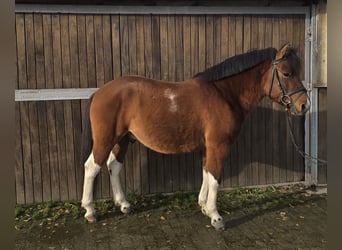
53 94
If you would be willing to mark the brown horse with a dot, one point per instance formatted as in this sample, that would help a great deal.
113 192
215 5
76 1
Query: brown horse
204 113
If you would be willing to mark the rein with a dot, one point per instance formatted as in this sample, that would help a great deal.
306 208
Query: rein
288 103
298 148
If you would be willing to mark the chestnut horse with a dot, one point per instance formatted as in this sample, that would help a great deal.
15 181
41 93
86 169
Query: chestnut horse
204 113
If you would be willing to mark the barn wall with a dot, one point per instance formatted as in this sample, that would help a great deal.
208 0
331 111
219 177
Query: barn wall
85 50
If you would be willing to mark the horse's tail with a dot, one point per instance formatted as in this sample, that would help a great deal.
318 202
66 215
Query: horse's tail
87 139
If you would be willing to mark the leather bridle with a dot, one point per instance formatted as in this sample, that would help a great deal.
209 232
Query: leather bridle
286 99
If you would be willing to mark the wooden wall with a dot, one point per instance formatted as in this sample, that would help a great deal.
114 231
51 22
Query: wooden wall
84 51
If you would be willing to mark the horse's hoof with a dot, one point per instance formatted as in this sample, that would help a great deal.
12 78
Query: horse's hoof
218 224
91 218
126 210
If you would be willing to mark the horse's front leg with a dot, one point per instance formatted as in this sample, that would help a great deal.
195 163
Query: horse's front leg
211 176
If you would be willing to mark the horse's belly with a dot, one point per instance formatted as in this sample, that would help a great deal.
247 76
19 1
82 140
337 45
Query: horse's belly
168 142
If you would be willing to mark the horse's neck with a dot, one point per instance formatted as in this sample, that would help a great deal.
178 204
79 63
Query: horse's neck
245 90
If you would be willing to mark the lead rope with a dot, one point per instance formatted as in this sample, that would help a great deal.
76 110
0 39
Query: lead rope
298 148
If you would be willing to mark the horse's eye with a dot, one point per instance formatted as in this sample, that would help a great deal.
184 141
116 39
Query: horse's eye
286 74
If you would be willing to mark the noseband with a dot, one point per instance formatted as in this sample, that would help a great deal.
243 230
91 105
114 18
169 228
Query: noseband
286 99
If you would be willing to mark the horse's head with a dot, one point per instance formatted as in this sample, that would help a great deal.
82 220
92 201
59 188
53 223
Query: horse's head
285 86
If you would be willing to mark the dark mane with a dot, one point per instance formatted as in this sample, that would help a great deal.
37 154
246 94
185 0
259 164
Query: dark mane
237 64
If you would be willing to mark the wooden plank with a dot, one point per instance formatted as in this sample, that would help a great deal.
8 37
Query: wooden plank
66 76
19 166
30 52
164 60
44 151
217 39
140 45
21 51
27 158
227 38
99 55
209 41
156 47
116 52
77 135
148 54
74 53
124 43
53 151
35 152
90 41
82 50
107 49
48 51
187 47
83 71
61 149
171 44
39 51
70 149
57 54
201 43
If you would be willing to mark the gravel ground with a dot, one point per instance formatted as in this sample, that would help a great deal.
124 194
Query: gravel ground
302 225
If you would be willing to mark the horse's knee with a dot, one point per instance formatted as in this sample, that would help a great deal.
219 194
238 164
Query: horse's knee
91 167
114 166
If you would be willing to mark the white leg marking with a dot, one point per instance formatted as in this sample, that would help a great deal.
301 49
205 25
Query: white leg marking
91 170
114 168
211 209
203 195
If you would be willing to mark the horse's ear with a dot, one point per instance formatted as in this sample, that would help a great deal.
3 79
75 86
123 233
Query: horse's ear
283 51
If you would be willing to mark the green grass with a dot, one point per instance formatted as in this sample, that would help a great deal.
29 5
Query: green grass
250 200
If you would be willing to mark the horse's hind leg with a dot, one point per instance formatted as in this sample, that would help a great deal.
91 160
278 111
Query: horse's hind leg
91 170
114 164
92 167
